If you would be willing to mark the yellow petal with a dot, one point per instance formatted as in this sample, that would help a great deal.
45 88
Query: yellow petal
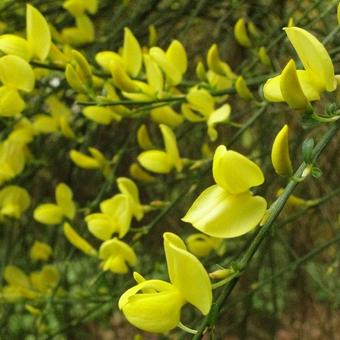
241 34
79 242
190 115
201 100
132 53
99 114
14 200
177 56
16 277
101 225
153 74
171 146
83 161
117 254
38 33
216 65
156 161
199 244
64 199
45 124
242 89
86 29
272 91
121 79
280 153
74 80
338 13
166 115
291 89
219 214
40 251
48 214
104 59
119 209
137 173
156 312
12 44
218 116
172 73
314 56
11 103
234 172
143 138
16 72
187 273
127 187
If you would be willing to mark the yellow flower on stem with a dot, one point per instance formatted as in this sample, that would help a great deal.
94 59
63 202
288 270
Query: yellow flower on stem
14 200
116 256
40 251
298 87
155 305
202 245
50 213
228 208
160 161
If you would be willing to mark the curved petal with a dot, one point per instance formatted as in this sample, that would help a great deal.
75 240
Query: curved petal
219 214
38 33
129 188
187 273
156 161
234 172
132 53
291 88
280 153
171 146
11 103
201 100
64 199
156 312
172 73
241 34
83 161
79 242
166 115
177 56
12 44
100 225
313 55
119 209
48 214
16 277
16 72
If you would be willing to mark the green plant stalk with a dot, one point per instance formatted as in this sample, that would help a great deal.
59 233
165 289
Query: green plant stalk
274 212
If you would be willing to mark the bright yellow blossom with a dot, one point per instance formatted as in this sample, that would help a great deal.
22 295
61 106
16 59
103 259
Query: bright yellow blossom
116 255
40 251
14 200
228 208
50 213
155 305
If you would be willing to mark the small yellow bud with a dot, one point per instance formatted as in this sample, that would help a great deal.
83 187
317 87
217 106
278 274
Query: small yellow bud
242 89
241 34
280 153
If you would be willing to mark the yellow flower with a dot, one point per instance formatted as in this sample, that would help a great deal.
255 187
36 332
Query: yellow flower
155 305
116 256
298 87
173 62
200 108
160 161
59 120
14 200
115 217
50 213
97 161
40 251
229 209
78 7
19 285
